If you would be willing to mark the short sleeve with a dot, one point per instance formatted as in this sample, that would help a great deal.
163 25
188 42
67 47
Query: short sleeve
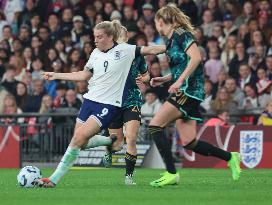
142 66
88 66
138 51
185 39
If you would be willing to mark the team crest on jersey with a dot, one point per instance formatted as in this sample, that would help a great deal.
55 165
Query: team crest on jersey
251 147
117 55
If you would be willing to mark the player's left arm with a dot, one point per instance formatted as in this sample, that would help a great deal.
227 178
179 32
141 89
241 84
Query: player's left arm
195 60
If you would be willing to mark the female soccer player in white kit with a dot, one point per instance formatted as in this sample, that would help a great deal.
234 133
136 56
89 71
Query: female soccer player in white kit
107 71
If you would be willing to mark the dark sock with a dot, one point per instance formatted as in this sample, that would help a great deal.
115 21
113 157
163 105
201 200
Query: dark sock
130 163
207 149
164 147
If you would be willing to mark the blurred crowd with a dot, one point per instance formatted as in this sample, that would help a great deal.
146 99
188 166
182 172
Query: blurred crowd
234 37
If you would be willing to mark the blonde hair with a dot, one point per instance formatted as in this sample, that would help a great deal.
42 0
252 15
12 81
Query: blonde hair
111 28
123 38
43 107
170 14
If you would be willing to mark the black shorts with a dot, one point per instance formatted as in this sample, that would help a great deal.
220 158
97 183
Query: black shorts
125 115
189 107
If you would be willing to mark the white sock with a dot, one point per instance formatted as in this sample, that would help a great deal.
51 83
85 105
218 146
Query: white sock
65 164
98 140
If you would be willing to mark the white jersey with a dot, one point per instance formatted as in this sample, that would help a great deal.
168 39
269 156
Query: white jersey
110 71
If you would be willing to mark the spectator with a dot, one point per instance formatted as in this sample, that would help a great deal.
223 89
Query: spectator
28 10
10 107
54 26
3 94
217 32
3 22
46 104
21 95
251 100
9 82
60 47
235 92
263 87
207 23
71 100
214 65
116 15
268 63
37 69
78 31
89 19
34 100
190 9
212 5
108 9
128 19
81 88
150 33
206 104
148 13
27 58
223 101
151 106
24 36
246 76
229 26
35 23
61 89
266 117
229 51
239 58
246 14
222 119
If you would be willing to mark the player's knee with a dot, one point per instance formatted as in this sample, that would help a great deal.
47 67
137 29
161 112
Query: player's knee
78 139
185 142
189 144
131 141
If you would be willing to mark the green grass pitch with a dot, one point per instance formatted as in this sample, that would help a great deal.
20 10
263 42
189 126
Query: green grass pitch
106 186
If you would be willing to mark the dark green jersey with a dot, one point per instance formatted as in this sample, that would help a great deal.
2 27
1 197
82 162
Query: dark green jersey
134 96
176 48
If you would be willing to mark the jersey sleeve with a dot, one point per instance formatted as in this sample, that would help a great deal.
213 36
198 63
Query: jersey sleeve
88 66
142 66
131 49
138 51
185 39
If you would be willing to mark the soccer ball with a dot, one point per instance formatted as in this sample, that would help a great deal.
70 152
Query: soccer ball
27 175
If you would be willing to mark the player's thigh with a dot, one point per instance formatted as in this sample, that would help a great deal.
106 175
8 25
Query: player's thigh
166 114
78 125
85 132
186 130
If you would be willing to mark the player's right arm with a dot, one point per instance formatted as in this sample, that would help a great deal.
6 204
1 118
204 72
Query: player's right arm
74 76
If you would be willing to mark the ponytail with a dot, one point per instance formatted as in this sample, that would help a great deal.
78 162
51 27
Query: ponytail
117 27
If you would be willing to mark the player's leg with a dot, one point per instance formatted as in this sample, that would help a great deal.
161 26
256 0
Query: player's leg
115 129
79 139
187 133
132 129
94 116
167 113
113 147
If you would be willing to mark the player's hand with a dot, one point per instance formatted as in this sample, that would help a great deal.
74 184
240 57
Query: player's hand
174 88
157 81
139 79
49 75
